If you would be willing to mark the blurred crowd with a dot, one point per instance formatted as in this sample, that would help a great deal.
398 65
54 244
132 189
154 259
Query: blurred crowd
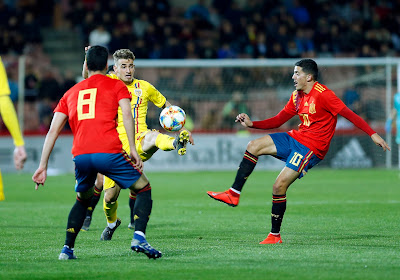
213 28
241 29
161 29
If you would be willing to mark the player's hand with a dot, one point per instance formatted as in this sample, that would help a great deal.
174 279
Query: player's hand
39 177
380 142
137 160
19 157
191 141
244 120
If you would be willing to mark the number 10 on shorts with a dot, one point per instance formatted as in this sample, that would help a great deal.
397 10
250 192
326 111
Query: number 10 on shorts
296 159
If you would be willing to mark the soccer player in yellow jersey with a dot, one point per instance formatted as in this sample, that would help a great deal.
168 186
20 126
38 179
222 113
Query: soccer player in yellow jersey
147 141
9 116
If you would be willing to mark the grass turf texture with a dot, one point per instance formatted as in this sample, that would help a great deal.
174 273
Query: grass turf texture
339 224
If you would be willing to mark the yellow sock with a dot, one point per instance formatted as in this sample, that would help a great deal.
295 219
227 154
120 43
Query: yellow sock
1 188
110 209
165 142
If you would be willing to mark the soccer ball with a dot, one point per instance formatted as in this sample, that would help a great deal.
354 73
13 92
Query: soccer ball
172 118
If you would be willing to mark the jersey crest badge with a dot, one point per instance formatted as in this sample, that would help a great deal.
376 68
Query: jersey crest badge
311 108
138 92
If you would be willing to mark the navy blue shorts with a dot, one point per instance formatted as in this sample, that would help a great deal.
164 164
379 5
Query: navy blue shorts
118 167
297 156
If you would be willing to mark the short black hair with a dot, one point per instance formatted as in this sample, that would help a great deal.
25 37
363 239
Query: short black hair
110 69
309 66
96 58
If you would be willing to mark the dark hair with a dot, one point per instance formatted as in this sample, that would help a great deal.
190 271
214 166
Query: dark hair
309 66
96 58
110 69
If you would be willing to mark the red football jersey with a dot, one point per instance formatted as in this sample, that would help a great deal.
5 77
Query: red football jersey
92 109
317 111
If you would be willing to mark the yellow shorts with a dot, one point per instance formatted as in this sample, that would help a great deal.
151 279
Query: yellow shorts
108 183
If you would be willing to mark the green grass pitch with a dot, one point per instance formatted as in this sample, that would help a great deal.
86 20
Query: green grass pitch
339 224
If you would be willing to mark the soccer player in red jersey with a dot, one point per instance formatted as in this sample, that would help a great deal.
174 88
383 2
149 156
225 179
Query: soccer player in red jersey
91 107
317 107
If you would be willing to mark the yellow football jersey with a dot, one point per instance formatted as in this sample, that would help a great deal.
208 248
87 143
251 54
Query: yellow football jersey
142 92
4 88
7 110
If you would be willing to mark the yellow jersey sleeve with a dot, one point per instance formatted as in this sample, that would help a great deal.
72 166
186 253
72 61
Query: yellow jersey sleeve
4 87
154 95
9 116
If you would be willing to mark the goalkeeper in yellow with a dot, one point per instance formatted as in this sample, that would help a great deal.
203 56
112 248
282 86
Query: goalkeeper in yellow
9 117
147 141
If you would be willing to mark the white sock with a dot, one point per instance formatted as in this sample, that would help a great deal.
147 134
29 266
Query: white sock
112 225
141 233
235 191
275 233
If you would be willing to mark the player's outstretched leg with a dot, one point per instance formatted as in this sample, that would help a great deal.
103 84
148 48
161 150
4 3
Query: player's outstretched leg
75 220
67 254
277 213
143 206
272 238
180 142
90 209
113 222
108 232
231 196
1 189
132 200
139 244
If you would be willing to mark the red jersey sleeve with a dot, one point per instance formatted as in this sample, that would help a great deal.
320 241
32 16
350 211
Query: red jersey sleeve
290 106
62 106
356 120
273 122
331 102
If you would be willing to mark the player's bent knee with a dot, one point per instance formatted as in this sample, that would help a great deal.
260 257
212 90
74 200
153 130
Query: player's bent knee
111 195
279 189
86 194
140 183
262 146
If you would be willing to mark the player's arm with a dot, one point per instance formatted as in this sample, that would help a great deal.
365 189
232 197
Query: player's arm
10 119
85 72
361 124
57 124
270 123
125 105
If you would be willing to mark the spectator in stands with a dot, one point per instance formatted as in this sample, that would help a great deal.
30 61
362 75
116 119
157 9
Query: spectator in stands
140 25
99 36
352 99
233 108
49 93
300 13
225 51
31 84
198 11
30 29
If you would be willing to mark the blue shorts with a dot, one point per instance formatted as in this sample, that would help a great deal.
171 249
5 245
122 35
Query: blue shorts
297 156
118 167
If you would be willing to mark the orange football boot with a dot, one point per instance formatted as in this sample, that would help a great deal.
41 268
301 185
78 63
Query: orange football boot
272 239
229 197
